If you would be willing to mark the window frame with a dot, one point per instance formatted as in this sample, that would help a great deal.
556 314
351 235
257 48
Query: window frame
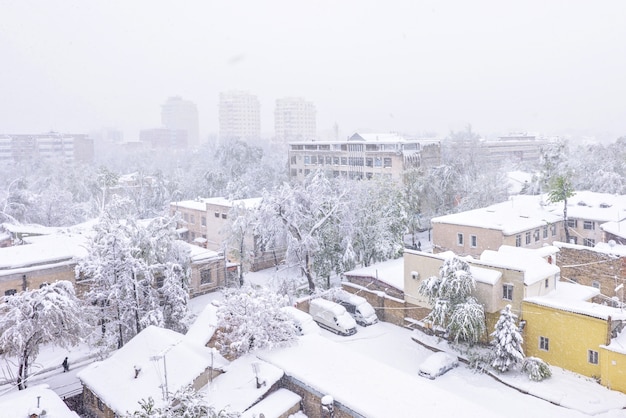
544 343
518 240
589 225
473 241
507 291
206 277
593 357
460 239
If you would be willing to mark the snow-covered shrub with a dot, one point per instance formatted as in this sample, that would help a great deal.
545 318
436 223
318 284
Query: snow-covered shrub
507 342
536 369
249 319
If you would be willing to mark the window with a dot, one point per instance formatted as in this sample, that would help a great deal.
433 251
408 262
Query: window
536 235
572 223
546 283
185 217
192 219
205 276
528 237
545 232
595 284
544 343
378 162
314 159
588 242
473 241
369 162
518 240
387 162
459 239
204 221
329 160
307 159
10 292
224 216
589 225
293 159
592 356
573 240
193 236
553 230
217 214
507 291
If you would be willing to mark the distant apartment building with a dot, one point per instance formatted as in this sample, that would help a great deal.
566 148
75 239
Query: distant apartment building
163 138
363 156
21 148
515 148
178 114
239 116
294 119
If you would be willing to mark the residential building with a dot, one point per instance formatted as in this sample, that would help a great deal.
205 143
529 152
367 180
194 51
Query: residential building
205 222
566 330
363 156
614 231
503 277
178 114
587 211
294 120
38 401
138 370
239 116
522 221
23 148
164 138
515 148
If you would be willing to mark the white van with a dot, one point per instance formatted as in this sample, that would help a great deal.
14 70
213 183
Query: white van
332 316
358 307
304 322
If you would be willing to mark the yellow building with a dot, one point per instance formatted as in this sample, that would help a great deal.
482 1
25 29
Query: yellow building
565 330
613 363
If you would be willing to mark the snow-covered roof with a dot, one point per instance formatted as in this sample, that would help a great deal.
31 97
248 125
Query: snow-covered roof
200 203
275 405
572 297
617 344
29 229
197 253
601 247
517 180
483 275
530 261
23 403
236 389
390 272
368 387
113 380
204 326
615 228
601 207
44 249
520 213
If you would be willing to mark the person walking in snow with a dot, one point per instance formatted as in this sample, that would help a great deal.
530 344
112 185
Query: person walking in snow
66 365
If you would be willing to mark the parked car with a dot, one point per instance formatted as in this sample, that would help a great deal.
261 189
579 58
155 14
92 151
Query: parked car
437 364
332 316
304 322
358 308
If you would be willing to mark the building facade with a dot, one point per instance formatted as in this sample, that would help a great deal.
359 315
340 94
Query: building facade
239 116
294 120
179 114
164 138
22 148
362 156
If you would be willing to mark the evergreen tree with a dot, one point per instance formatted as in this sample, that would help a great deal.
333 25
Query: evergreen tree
560 190
507 342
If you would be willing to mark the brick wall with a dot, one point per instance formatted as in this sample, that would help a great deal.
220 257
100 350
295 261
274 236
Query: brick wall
590 267
34 279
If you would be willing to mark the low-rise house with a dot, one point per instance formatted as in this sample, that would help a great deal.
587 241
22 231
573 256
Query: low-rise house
566 330
154 364
205 222
523 221
587 211
503 277
614 231
387 276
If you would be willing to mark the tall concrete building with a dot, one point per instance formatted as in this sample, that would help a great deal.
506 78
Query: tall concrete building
294 119
22 148
179 114
239 115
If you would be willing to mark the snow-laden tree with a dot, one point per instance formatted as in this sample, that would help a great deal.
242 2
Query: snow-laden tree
249 319
185 403
174 295
239 233
120 284
454 309
536 369
49 315
293 217
507 342
561 189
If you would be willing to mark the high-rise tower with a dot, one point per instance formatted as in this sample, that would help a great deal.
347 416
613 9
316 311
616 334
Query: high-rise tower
179 114
239 115
294 119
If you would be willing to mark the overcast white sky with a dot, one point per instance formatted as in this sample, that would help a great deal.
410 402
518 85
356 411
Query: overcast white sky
409 66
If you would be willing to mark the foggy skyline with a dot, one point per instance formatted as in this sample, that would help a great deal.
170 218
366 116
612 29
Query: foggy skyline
552 67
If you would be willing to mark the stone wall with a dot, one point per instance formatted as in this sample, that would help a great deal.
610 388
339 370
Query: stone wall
374 284
34 278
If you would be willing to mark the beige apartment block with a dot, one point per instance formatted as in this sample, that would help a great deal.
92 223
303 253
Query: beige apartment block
588 211
362 156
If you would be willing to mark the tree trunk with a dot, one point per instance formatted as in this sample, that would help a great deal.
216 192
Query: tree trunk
22 373
565 220
307 273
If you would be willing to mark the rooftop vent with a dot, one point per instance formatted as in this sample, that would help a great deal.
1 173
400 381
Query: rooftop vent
581 203
604 205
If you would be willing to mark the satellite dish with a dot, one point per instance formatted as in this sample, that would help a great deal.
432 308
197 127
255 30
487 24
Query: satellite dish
612 243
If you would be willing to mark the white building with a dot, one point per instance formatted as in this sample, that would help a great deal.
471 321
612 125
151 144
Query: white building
178 114
239 115
294 119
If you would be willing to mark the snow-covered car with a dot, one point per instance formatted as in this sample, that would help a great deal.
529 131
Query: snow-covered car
303 321
437 364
